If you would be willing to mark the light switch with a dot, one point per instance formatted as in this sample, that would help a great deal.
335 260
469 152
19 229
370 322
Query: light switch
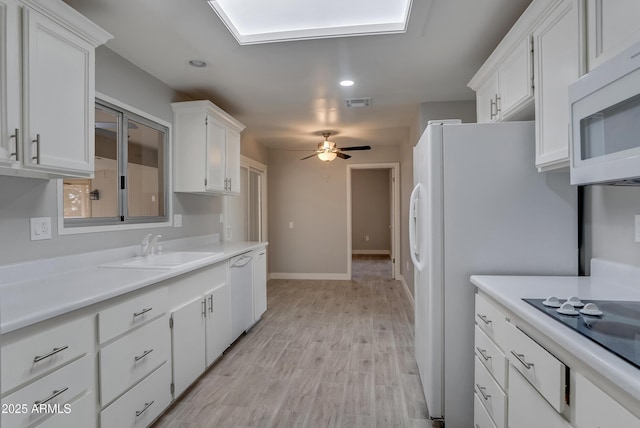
40 228
366 238
290 225
637 227
177 220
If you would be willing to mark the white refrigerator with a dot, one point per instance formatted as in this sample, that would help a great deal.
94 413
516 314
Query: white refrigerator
479 206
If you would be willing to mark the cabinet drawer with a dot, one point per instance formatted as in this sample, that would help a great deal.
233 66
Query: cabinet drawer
492 357
132 357
491 320
81 413
142 404
131 313
51 392
527 409
544 371
481 418
41 353
491 395
594 408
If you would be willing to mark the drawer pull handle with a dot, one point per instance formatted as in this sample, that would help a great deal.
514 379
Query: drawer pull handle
484 319
481 389
39 358
520 357
144 354
53 395
37 156
483 354
211 303
146 406
142 312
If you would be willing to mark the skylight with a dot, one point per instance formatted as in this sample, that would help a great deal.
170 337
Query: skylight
260 21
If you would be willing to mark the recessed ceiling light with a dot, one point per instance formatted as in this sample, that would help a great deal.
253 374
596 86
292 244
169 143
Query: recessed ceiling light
198 63
346 83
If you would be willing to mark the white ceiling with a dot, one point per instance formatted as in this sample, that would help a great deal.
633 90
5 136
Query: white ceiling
288 93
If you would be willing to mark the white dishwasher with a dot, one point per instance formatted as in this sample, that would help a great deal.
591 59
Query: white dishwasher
241 279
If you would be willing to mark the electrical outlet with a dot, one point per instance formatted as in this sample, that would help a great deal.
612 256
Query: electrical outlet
177 220
40 228
637 218
366 238
290 225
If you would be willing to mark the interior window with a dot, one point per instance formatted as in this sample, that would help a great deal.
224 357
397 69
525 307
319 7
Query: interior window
130 173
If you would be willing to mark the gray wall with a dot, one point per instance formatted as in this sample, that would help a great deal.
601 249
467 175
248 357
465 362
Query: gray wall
24 198
464 110
609 216
370 210
313 195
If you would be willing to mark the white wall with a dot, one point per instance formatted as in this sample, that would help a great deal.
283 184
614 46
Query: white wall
610 212
23 198
370 210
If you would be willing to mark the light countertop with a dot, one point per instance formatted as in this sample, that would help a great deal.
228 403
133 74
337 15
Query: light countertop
39 290
510 290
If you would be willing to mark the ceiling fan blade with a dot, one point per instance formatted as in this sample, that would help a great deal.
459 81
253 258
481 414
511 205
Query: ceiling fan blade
342 155
346 149
308 157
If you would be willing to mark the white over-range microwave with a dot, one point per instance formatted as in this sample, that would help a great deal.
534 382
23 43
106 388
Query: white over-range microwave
605 122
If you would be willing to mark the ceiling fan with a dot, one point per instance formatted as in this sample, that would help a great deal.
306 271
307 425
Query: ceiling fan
328 151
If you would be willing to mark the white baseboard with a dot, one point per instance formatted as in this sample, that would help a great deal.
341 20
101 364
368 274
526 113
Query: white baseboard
321 276
375 252
406 290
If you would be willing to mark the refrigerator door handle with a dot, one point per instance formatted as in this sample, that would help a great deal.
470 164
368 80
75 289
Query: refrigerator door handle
413 218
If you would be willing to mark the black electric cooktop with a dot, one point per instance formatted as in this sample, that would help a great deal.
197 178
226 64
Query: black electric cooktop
617 328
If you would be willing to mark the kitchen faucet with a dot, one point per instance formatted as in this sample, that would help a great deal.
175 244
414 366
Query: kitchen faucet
149 245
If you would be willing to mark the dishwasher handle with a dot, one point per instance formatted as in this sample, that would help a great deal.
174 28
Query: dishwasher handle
241 261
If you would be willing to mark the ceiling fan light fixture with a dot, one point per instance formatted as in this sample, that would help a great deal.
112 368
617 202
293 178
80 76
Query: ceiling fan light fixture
327 156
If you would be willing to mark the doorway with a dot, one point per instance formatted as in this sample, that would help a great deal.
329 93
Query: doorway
381 242
246 214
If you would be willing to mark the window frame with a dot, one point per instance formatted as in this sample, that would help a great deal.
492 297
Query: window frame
91 225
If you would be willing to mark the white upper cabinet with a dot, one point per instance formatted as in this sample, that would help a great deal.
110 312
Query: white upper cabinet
613 25
558 62
206 149
47 108
504 83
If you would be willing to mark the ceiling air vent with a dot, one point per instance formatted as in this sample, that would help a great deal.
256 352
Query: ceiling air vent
358 102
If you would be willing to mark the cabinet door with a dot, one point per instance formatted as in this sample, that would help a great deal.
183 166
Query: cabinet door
218 321
188 344
59 97
259 283
216 137
515 80
558 63
486 101
612 27
232 161
595 409
10 83
527 409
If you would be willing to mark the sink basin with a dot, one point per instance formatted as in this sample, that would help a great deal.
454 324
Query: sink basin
162 261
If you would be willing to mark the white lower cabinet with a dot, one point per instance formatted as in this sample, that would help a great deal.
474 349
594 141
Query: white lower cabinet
596 409
527 409
218 322
480 416
126 361
141 404
259 283
188 344
38 400
491 395
80 413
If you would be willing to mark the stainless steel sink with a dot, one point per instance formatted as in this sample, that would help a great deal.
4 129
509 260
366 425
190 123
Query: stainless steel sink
173 260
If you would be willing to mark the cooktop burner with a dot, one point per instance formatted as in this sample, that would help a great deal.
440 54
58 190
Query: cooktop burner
614 325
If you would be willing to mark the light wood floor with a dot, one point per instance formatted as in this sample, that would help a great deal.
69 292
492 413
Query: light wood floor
325 354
